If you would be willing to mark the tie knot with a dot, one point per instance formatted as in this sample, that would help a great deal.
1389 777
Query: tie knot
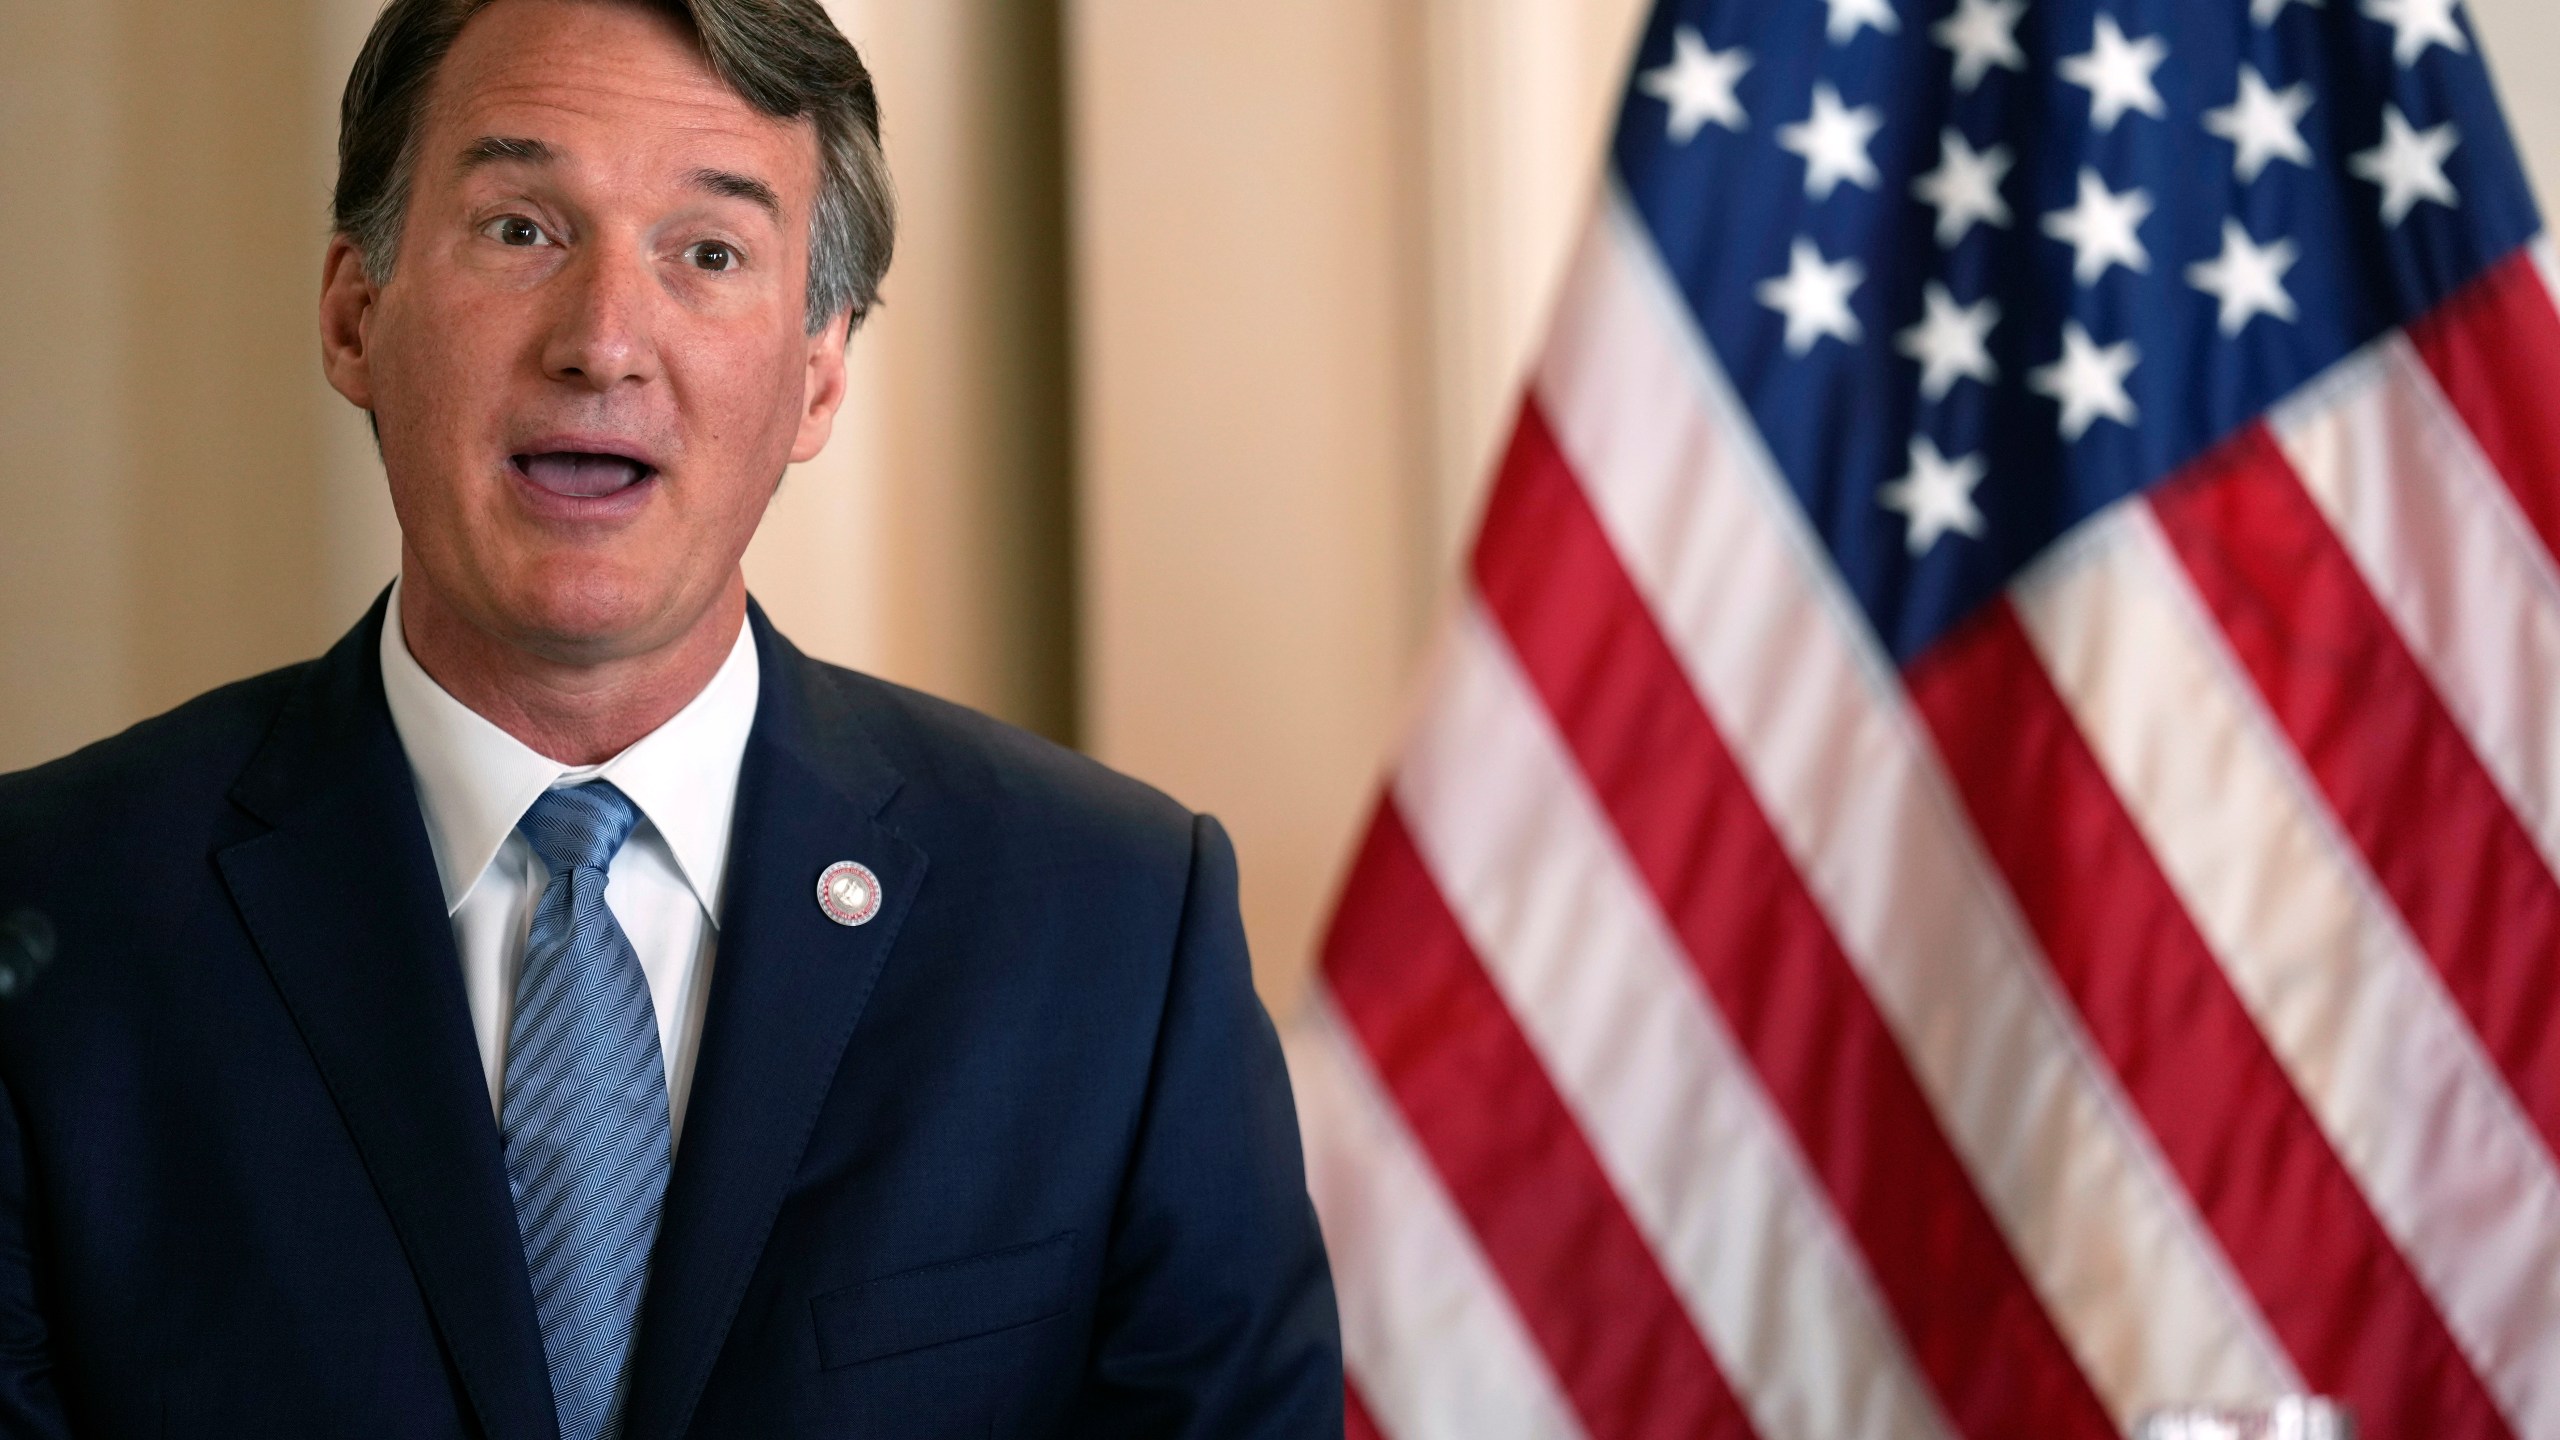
580 827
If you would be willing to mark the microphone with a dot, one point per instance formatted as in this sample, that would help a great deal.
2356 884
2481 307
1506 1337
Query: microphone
26 948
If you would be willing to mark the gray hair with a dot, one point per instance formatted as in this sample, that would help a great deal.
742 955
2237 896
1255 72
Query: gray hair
784 57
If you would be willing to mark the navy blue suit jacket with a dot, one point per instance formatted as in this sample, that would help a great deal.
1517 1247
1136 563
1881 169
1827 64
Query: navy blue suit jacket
1015 1158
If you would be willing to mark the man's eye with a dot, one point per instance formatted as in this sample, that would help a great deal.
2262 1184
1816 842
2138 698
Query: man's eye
515 230
712 255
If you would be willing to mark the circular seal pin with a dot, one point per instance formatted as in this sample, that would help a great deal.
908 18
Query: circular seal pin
849 893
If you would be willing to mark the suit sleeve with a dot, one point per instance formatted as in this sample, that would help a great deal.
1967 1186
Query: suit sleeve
29 1406
1216 1316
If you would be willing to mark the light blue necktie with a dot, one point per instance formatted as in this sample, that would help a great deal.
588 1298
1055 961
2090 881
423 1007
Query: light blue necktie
586 1111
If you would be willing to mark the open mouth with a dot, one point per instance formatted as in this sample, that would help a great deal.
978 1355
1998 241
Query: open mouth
581 475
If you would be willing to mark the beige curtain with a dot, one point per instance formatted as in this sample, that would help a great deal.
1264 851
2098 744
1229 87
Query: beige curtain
1312 244
933 541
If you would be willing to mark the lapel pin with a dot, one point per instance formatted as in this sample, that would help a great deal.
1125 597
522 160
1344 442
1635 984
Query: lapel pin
849 893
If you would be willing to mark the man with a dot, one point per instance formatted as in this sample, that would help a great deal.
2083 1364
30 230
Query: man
564 1008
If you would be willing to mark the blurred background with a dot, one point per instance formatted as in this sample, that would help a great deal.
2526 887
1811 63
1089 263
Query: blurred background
1205 324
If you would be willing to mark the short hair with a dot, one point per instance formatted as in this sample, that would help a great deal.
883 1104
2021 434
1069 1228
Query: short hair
784 57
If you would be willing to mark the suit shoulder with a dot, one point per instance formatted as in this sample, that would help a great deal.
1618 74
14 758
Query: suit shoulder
965 762
177 760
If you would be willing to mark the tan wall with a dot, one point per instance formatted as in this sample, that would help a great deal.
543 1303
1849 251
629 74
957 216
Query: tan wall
64 673
2522 40
1250 315
159 448
932 542
1312 245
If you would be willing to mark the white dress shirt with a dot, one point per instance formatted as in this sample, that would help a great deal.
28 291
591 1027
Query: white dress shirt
475 781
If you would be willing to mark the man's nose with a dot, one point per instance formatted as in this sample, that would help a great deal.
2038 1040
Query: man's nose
601 332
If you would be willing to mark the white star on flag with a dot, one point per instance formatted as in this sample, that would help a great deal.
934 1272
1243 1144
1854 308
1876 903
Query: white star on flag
2408 165
2265 12
2102 229
2417 24
1848 17
2117 74
1814 296
1936 497
2248 278
1965 188
1833 141
2088 380
1983 34
1951 342
2265 124
1698 85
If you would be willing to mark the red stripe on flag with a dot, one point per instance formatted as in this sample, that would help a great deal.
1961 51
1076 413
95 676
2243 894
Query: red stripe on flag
2495 350
1693 828
2339 1295
1356 1421
1516 1164
2405 785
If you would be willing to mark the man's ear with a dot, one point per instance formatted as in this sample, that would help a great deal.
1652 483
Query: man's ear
346 310
822 389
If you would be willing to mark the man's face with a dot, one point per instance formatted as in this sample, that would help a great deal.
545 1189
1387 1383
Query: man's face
590 364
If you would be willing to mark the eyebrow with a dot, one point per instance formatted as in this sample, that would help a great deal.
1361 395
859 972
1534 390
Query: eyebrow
739 187
492 149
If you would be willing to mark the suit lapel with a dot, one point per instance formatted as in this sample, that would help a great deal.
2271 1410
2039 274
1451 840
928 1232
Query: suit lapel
788 986
342 900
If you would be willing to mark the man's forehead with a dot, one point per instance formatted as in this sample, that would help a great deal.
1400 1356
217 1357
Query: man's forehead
586 81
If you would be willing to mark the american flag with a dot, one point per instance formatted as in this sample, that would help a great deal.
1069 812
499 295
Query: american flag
1978 855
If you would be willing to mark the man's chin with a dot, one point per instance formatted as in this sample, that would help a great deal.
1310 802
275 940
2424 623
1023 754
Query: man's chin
567 605
591 619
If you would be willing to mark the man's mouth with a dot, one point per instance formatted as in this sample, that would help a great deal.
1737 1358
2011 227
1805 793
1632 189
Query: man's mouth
580 474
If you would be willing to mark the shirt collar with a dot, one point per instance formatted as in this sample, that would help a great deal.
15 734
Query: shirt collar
475 781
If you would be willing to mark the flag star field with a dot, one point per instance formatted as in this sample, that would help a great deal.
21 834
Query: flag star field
2340 169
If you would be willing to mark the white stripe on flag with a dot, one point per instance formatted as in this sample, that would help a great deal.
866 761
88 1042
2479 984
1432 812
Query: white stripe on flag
1437 1350
2349 1007
1536 878
2446 552
1817 718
